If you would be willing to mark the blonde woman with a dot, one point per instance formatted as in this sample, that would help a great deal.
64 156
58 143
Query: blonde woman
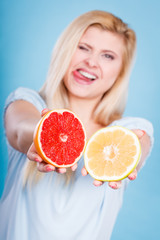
88 74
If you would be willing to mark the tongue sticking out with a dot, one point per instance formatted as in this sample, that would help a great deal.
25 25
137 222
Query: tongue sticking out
85 76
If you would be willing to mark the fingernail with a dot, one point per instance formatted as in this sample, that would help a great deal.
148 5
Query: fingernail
37 160
114 186
97 183
143 133
84 172
44 110
48 168
132 177
74 167
62 170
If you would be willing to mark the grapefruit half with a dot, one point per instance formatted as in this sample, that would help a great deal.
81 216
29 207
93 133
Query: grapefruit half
112 153
60 138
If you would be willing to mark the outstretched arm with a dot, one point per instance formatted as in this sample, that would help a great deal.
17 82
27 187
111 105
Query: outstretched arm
20 120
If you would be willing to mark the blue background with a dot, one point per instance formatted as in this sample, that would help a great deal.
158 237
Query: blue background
29 30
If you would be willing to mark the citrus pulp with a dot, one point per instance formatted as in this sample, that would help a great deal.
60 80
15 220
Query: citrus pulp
60 138
112 153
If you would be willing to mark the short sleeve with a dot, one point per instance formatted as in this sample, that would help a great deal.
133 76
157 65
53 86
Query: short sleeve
137 123
27 95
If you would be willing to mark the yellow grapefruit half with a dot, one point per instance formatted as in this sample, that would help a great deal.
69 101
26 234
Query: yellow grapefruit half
112 153
60 138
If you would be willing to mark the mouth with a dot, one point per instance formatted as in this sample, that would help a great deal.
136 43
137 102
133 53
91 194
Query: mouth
84 76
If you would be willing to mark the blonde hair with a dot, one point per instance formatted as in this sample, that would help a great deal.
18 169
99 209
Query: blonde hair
113 103
54 92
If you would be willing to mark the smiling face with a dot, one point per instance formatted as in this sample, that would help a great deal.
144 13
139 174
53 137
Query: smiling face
95 64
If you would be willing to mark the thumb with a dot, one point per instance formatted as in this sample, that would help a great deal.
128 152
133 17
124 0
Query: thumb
140 133
44 111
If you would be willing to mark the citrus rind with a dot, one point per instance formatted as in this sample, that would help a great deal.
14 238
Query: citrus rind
37 142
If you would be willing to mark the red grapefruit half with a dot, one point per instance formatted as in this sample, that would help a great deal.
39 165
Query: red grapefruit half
60 138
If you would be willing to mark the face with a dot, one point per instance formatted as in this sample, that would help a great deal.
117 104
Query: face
95 64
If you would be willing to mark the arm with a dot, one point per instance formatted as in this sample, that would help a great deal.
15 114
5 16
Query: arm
145 146
20 120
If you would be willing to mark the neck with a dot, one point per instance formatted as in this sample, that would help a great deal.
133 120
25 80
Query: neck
84 108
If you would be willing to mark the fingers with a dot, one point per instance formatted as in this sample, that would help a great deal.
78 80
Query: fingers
97 183
43 167
84 171
140 133
44 111
133 175
74 167
32 154
115 185
118 184
61 170
64 170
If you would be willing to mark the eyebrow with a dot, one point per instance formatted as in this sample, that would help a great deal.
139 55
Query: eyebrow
103 50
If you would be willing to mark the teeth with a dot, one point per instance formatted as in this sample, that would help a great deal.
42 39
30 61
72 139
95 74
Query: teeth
88 75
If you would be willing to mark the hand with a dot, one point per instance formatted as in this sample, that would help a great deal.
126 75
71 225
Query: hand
131 176
42 166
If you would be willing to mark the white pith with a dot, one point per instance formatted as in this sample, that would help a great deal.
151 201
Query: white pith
63 137
108 150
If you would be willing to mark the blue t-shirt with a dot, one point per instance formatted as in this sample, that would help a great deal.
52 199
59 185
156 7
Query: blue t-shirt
52 209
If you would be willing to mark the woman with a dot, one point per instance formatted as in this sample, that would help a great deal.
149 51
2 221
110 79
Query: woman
89 75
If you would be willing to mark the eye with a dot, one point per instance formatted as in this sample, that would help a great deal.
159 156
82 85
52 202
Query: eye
108 56
81 47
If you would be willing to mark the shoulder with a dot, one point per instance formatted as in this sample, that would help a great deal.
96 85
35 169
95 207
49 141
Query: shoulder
133 123
136 123
26 94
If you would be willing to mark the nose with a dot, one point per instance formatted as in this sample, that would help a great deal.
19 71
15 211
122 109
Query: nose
92 60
